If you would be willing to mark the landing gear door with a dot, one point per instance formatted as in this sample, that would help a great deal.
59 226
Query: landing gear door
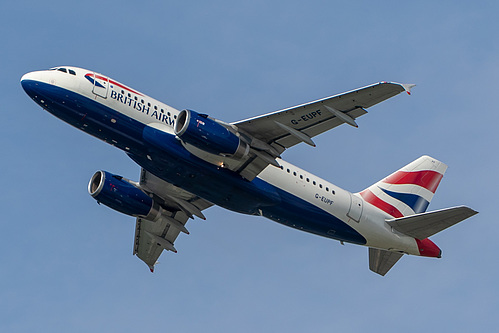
101 85
355 211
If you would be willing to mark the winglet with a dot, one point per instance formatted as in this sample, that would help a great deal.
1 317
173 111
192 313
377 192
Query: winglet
407 87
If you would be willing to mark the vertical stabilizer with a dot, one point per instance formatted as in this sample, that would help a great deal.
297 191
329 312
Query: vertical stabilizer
409 190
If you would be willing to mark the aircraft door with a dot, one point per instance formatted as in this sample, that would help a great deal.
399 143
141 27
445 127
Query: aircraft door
355 211
101 85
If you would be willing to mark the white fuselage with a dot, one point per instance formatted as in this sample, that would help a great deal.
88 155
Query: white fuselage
364 218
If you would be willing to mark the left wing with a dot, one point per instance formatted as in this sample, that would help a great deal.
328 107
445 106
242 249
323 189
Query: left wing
177 206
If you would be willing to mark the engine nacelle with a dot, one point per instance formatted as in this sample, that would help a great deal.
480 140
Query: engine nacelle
207 134
119 194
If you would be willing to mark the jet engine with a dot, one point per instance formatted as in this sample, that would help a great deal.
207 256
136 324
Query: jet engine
122 195
209 134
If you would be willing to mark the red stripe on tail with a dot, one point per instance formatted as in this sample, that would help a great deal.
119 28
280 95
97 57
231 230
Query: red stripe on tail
370 197
427 179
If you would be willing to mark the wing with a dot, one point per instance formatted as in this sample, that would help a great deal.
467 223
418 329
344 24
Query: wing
285 128
381 261
271 134
177 206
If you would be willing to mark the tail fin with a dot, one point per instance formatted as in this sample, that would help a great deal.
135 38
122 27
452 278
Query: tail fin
409 190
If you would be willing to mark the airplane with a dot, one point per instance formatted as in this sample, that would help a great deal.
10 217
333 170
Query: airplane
191 161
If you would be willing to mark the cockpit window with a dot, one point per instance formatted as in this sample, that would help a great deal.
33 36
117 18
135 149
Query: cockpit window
64 70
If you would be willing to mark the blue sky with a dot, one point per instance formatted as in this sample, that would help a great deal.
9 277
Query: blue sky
67 262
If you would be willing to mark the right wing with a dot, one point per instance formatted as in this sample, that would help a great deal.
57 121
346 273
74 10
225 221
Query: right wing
177 206
285 128
272 133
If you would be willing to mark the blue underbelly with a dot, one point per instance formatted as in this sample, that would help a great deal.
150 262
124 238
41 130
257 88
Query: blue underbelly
176 165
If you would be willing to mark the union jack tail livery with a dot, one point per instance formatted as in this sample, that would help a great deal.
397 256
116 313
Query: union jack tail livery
404 196
409 190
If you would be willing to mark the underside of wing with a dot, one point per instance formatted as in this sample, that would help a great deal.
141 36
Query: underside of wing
159 233
285 128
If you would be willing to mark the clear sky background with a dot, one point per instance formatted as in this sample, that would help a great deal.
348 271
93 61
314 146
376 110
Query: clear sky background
67 264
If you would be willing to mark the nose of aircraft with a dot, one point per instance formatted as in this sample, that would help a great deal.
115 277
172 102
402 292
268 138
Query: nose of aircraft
31 76
29 82
428 249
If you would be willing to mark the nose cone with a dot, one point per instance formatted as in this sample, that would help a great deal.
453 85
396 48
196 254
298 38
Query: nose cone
31 76
29 82
428 249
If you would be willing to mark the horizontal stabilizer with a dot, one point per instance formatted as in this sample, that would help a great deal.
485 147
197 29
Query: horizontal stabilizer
381 261
424 225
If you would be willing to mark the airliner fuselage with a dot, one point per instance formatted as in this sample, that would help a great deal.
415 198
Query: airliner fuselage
145 129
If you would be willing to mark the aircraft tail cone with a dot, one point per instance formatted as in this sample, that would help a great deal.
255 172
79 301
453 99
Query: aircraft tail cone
428 249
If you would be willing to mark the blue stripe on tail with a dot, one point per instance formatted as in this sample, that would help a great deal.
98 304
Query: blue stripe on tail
417 203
